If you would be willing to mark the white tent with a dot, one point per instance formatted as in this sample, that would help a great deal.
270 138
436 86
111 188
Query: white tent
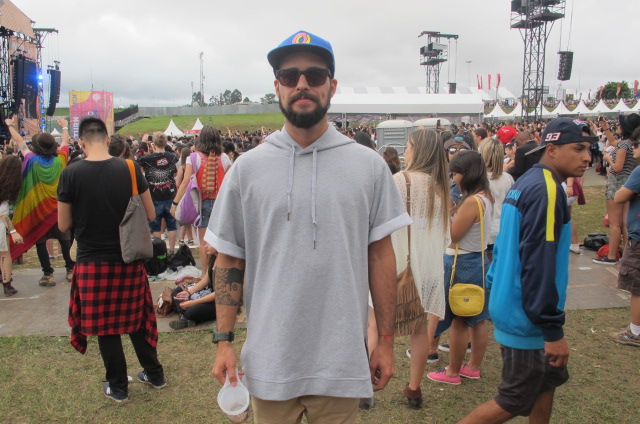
497 112
549 113
55 132
403 101
173 130
516 112
583 110
621 107
197 126
601 108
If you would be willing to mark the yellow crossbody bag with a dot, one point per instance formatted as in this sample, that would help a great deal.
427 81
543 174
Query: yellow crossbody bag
467 300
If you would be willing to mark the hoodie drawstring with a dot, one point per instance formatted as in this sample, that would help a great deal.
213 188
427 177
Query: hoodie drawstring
313 194
290 185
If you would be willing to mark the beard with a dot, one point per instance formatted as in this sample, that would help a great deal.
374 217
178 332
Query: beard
304 120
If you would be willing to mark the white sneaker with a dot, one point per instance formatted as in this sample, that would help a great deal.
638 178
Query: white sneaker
575 248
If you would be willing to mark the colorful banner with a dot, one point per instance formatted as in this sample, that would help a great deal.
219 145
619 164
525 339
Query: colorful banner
90 103
618 90
498 84
489 82
479 82
635 88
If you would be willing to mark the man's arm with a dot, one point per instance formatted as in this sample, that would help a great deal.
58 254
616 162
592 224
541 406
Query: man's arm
228 286
15 135
65 219
382 284
623 195
65 131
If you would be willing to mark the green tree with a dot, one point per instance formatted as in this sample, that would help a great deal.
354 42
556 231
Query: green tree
196 99
268 99
246 100
236 97
611 87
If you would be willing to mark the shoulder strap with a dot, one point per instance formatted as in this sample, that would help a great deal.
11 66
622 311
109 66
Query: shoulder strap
194 162
134 181
407 181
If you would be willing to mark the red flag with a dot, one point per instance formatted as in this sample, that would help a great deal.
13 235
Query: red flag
635 88
618 90
479 82
498 84
601 90
489 81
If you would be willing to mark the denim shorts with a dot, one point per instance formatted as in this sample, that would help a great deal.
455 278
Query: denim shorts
205 212
468 271
163 210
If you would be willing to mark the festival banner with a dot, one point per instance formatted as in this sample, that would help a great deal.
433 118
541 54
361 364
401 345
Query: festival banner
90 103
489 82
619 89
498 84
479 82
635 88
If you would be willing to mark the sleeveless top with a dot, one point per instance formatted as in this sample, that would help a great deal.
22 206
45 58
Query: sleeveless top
471 241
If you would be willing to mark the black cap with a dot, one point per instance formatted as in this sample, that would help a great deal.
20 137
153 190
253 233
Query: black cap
564 131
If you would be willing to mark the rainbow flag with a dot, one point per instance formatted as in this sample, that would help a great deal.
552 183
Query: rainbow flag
36 210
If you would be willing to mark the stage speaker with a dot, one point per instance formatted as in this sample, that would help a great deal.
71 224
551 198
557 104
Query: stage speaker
566 63
25 85
516 6
452 87
54 90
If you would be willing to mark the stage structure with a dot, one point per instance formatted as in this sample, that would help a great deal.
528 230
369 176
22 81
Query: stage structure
432 56
21 72
534 19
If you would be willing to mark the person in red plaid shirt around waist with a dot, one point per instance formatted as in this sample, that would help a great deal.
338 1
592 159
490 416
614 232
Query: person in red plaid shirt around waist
108 297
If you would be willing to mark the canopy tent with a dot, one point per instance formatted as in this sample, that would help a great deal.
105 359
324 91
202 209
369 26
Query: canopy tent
197 126
497 112
173 130
601 107
55 132
583 110
403 100
621 107
516 112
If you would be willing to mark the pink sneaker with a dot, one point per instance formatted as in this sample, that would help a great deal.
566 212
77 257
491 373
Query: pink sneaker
441 376
467 373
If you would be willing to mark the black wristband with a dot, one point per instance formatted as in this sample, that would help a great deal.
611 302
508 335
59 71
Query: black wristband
174 203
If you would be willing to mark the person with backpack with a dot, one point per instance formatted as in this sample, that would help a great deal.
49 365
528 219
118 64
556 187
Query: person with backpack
209 169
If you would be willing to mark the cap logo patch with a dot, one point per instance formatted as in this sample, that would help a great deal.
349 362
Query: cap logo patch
553 136
301 38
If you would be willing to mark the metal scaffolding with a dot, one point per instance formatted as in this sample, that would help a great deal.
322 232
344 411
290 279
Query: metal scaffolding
432 56
534 19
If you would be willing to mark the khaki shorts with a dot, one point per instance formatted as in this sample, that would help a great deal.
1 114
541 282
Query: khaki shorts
629 274
317 409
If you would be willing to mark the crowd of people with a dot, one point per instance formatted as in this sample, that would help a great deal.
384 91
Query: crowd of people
332 249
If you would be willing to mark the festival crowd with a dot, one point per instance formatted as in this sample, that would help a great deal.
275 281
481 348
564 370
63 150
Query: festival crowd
332 248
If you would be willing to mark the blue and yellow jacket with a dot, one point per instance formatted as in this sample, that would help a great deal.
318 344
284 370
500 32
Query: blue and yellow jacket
529 274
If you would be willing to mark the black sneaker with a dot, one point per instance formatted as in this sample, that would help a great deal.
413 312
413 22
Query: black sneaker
433 358
604 261
180 323
445 347
116 397
142 377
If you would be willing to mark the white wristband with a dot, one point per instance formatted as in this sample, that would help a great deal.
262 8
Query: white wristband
65 128
13 231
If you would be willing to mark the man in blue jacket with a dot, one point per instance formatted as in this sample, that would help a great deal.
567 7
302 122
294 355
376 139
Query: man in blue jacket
528 279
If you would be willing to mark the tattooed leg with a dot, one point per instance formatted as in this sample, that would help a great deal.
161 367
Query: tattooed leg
5 266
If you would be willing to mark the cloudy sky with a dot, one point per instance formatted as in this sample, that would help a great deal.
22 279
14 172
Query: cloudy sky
147 52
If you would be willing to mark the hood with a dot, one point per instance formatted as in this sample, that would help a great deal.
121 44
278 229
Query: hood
329 140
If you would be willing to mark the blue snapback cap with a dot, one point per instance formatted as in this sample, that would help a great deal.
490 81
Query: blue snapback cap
564 131
302 41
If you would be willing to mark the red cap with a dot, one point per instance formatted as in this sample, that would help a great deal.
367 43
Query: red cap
506 134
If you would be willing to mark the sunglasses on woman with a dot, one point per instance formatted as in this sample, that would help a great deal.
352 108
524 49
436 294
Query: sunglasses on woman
315 76
454 150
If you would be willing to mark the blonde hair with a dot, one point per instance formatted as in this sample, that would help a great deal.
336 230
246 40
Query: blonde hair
492 153
159 139
429 157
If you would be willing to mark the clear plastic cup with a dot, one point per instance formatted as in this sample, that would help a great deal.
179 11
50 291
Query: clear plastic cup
235 401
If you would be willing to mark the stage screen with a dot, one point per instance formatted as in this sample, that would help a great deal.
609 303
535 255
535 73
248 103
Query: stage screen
90 103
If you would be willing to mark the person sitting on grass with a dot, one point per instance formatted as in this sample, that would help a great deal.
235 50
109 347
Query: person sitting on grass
196 304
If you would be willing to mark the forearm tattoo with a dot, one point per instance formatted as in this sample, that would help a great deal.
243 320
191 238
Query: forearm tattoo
228 286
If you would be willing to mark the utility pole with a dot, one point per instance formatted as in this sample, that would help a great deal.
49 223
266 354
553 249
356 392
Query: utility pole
468 62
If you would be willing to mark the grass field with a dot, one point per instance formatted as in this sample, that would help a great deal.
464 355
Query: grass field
245 122
43 379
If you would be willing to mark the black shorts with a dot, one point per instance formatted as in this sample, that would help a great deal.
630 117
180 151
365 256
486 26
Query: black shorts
525 375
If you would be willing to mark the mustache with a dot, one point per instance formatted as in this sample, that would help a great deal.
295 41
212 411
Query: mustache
303 95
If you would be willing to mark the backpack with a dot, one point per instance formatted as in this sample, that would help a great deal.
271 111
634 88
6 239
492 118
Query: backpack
188 209
594 241
183 257
158 263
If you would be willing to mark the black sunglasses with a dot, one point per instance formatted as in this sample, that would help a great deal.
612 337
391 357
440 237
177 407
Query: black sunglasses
315 76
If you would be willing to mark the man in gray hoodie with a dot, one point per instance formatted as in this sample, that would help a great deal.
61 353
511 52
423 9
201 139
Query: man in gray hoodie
302 226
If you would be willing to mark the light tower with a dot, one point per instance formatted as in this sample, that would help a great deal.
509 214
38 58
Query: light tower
534 19
202 78
432 56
